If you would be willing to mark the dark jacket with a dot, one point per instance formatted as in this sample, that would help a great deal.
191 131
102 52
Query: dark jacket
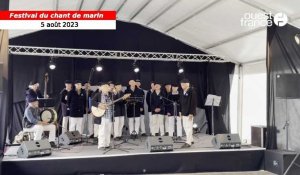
188 102
141 93
157 102
119 108
30 93
63 103
169 106
148 100
133 108
77 103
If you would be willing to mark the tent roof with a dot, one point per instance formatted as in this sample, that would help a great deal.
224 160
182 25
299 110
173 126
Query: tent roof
212 26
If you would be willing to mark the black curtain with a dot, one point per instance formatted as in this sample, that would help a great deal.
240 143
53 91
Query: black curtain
205 77
283 56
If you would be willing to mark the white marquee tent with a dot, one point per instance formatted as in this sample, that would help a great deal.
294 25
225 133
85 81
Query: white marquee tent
213 26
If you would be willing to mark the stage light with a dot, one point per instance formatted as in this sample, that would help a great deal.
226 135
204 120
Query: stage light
99 67
136 69
297 38
180 68
52 65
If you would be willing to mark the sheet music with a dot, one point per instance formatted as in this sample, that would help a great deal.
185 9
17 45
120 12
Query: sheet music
212 100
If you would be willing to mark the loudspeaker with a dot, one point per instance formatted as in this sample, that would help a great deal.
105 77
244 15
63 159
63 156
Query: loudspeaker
258 136
70 137
160 144
287 86
226 141
34 148
277 161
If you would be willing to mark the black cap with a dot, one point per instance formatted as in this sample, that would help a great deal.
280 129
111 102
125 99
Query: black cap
184 81
68 82
118 83
77 81
33 82
174 85
156 82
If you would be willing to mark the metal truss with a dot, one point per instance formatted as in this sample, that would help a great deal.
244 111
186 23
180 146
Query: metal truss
108 54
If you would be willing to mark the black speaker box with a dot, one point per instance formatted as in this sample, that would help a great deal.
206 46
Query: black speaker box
160 144
70 137
278 161
34 148
226 141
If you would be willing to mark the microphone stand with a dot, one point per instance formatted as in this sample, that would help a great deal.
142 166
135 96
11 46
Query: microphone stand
126 137
113 146
57 133
87 110
174 137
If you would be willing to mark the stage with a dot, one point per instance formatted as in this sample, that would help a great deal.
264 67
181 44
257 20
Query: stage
87 159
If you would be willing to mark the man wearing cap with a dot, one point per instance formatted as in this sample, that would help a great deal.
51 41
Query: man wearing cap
133 109
33 123
157 109
104 128
88 119
64 107
119 111
76 100
173 95
32 92
188 104
148 100
141 94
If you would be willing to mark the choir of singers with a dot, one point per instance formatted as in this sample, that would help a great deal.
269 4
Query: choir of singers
168 107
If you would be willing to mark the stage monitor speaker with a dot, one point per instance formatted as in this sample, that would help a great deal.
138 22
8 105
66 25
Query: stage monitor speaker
278 161
34 148
226 141
160 144
287 86
70 137
258 136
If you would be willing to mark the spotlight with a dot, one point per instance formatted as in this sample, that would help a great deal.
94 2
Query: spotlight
180 68
99 67
136 69
297 38
52 65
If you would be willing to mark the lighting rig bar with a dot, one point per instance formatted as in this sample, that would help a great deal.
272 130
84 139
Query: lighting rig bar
108 54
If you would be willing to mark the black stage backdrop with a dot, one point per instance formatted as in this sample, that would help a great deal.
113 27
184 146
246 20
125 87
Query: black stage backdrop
283 56
205 77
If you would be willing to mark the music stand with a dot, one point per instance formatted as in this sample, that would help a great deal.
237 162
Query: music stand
126 137
46 103
174 103
212 100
